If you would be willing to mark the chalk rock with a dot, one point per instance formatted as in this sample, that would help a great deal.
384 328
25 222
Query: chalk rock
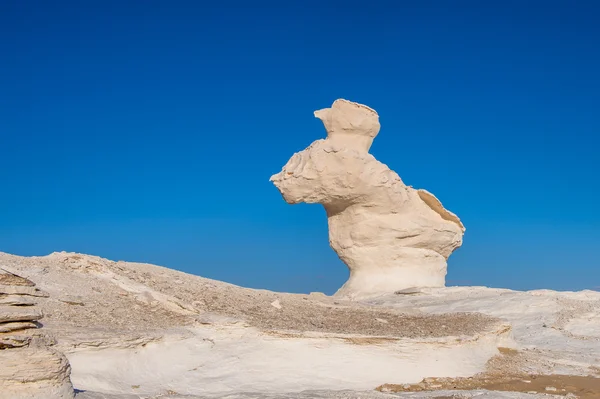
19 313
14 341
34 373
21 290
16 326
276 304
7 278
29 368
409 291
15 300
391 236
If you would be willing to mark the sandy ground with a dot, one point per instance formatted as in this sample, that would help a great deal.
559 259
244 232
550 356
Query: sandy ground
501 375
583 387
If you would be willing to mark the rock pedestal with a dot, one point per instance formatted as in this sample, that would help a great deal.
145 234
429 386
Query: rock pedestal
390 235
29 367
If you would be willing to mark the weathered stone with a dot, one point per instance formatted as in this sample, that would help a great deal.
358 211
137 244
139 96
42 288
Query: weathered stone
19 313
34 373
390 235
409 291
14 340
15 300
22 290
29 369
7 278
16 326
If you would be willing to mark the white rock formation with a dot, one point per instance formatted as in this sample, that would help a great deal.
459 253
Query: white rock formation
29 367
34 373
390 235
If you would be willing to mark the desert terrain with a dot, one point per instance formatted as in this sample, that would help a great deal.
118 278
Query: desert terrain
132 330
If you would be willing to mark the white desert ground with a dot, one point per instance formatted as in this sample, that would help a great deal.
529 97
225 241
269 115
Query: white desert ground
133 330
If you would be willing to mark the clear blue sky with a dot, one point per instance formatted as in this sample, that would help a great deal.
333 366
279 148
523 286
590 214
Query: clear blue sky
148 130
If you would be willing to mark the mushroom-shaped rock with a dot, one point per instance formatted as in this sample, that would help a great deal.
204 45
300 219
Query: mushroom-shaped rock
390 235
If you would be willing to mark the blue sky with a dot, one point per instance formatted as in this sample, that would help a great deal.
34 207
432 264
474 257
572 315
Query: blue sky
148 130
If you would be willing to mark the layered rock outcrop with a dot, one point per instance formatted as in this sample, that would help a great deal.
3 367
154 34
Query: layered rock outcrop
29 367
390 235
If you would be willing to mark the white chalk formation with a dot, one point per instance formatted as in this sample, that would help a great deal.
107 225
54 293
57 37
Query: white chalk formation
390 235
29 367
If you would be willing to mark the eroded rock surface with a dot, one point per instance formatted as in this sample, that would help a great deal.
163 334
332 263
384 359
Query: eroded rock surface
133 330
390 235
98 303
29 367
